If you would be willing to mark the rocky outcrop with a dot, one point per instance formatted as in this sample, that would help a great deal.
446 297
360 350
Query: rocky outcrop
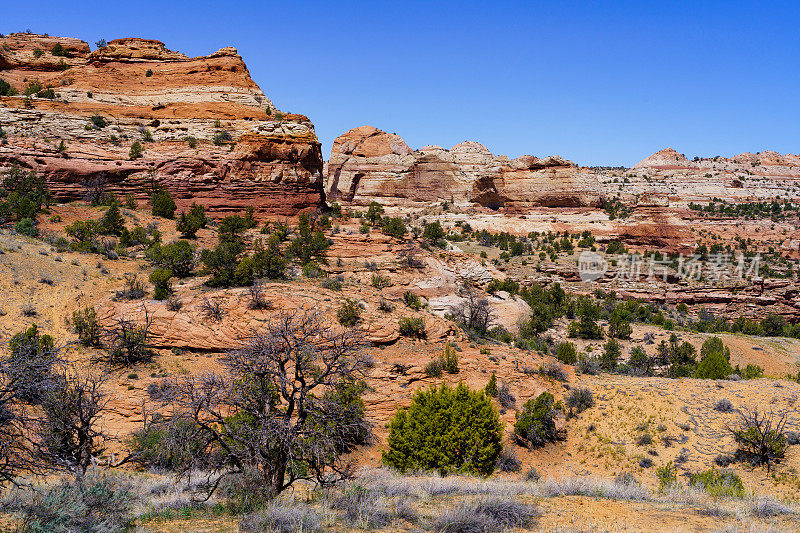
368 164
208 132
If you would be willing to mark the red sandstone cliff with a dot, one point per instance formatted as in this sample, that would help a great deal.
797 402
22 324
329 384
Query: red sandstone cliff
367 163
149 94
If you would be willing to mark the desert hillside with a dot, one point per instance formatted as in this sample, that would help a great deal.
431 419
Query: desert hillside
205 327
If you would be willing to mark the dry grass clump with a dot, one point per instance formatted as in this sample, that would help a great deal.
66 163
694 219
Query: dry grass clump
486 515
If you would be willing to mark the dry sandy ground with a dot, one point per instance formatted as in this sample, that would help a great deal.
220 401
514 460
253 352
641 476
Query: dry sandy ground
678 414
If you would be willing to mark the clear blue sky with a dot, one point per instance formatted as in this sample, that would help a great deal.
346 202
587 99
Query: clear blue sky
596 82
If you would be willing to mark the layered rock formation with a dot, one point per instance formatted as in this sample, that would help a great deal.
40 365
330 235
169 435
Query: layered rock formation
671 175
136 90
368 164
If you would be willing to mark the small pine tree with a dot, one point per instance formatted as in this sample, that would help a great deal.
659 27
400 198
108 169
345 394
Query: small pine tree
491 387
136 151
715 360
112 222
611 353
160 278
450 359
536 424
447 430
567 353
163 204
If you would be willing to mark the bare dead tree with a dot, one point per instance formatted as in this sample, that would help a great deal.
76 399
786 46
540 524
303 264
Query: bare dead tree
287 408
212 308
95 189
29 365
408 257
68 432
16 457
760 437
126 341
473 313
257 298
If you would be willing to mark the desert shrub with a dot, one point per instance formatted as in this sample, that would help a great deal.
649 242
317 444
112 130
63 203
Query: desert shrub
276 433
751 371
434 368
504 396
98 121
394 227
723 405
222 262
29 365
380 282
766 507
361 508
136 151
257 299
220 137
667 476
579 400
412 300
26 226
760 438
550 370
164 443
610 355
126 341
585 328
385 306
639 362
486 515
188 225
160 278
434 233
133 289
212 308
715 360
96 505
191 141
535 424
349 314
447 430
331 283
412 327
84 324
718 484
174 303
6 89
23 194
587 365
163 205
645 439
567 353
178 257
619 327
310 244
450 359
374 213
532 475
508 461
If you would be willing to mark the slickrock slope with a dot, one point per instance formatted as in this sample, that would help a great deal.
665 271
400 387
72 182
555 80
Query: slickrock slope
160 98
368 164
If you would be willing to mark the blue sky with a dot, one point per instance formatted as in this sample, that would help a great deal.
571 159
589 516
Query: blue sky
597 82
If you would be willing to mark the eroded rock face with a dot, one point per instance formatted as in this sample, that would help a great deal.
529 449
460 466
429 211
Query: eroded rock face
246 152
368 164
